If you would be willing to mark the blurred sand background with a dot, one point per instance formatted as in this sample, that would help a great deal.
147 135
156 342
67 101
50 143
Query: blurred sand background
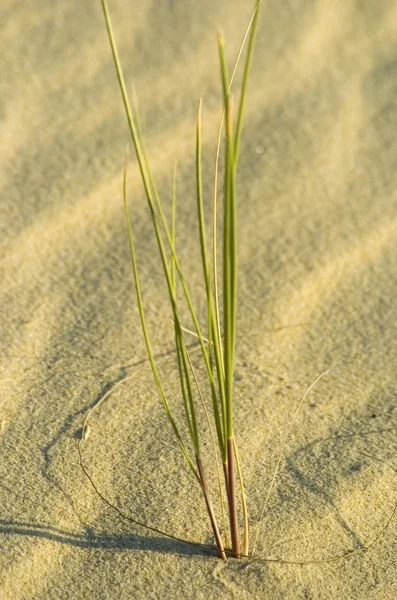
317 288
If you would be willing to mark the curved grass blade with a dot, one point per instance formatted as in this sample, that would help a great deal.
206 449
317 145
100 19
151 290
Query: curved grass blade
145 330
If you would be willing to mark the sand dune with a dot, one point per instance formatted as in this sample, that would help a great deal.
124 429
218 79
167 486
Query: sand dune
317 288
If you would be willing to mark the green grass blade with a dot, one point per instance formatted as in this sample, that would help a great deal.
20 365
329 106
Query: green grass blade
214 345
252 28
229 247
180 345
145 330
251 25
173 228
123 89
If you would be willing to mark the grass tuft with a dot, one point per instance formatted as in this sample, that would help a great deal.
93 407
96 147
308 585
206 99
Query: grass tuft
219 344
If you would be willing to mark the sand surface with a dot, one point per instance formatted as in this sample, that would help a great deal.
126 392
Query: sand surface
317 288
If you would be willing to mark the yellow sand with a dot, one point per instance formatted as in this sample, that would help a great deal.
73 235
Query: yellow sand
317 288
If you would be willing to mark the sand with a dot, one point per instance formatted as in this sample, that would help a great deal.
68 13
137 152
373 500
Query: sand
317 289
